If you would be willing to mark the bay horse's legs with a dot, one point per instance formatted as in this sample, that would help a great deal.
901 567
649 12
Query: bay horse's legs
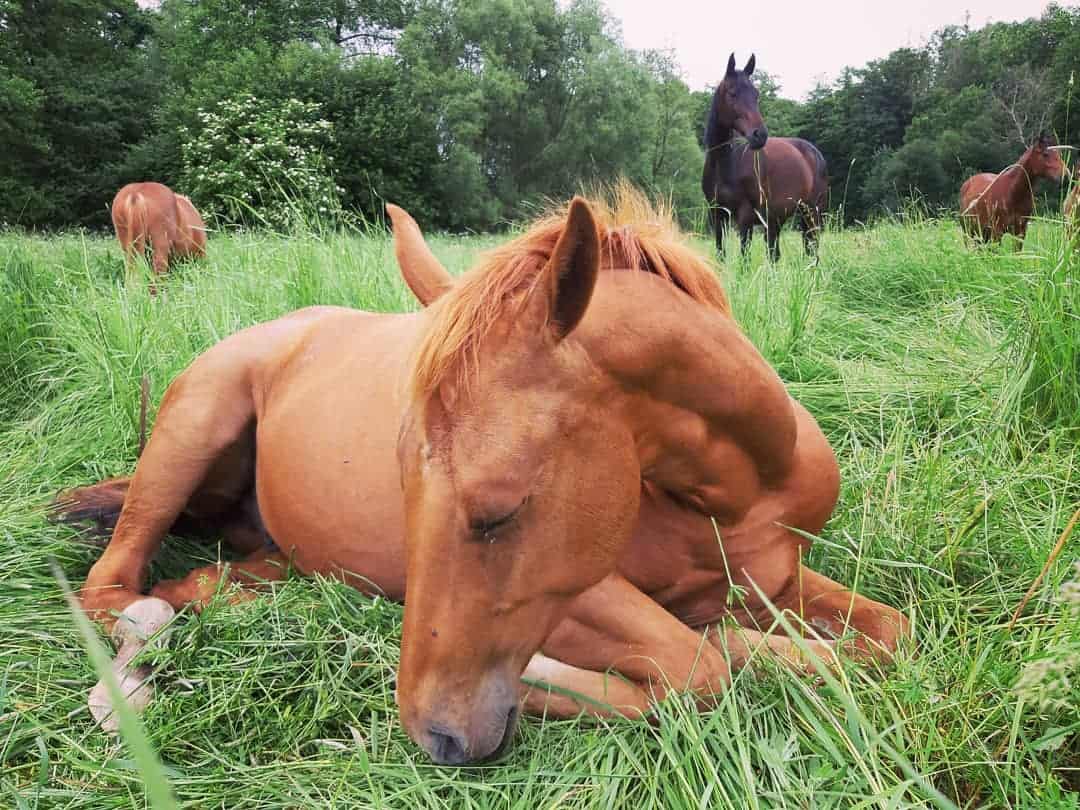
772 238
811 221
831 609
718 221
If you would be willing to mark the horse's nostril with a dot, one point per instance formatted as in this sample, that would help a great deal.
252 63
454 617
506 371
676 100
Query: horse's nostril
446 748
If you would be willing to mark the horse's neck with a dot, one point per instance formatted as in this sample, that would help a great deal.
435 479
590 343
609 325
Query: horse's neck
719 144
698 398
1017 184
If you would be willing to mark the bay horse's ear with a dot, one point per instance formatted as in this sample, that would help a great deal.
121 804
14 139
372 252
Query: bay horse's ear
731 64
423 273
572 269
749 69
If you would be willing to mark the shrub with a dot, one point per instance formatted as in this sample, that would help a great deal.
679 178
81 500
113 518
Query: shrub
262 162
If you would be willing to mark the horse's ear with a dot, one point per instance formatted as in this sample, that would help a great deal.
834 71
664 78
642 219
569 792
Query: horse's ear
423 273
572 269
731 65
749 69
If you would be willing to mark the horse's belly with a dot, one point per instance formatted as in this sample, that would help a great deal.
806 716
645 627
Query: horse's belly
327 478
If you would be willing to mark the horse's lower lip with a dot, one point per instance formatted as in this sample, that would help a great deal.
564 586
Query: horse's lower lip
508 736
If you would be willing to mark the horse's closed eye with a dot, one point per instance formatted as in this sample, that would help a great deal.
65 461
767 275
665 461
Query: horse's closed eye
488 527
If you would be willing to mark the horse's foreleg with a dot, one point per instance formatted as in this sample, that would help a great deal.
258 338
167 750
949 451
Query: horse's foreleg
614 626
718 221
554 689
832 609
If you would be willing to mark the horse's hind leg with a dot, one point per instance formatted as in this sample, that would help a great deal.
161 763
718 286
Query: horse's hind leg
159 240
200 586
772 238
811 221
199 455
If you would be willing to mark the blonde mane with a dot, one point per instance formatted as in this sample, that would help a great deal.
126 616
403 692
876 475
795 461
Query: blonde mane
634 235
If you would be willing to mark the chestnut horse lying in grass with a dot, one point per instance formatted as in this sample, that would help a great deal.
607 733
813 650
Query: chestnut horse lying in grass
992 205
151 212
533 463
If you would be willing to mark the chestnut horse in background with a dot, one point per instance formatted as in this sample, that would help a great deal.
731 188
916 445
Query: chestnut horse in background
992 205
563 465
154 213
762 180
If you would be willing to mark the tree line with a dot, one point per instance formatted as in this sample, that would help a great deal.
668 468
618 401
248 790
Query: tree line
469 113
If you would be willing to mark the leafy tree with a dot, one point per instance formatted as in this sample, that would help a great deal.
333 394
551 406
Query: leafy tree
76 82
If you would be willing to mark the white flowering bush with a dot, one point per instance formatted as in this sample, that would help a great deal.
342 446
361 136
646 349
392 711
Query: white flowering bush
264 162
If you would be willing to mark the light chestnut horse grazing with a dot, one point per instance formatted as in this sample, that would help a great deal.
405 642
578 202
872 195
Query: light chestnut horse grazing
533 463
152 213
992 205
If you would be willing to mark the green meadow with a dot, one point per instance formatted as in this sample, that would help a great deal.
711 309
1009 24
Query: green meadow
945 377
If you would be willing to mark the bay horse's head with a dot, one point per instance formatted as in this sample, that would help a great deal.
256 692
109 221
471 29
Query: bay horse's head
735 104
520 485
1043 159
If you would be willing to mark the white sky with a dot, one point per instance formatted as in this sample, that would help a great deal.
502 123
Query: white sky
798 41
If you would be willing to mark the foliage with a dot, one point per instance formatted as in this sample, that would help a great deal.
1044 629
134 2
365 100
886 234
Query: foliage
469 112
260 162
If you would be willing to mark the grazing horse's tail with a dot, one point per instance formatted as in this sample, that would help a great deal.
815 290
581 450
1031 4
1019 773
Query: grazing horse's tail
135 218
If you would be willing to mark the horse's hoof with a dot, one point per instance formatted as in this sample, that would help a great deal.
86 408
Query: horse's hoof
135 685
134 627
139 621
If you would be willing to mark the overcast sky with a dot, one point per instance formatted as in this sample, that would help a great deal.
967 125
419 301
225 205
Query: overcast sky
798 41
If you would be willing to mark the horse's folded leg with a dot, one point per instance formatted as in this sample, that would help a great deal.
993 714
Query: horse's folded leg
834 609
135 627
200 585
746 647
554 689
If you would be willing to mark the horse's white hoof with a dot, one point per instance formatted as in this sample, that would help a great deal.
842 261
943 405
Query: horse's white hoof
134 626
140 620
135 685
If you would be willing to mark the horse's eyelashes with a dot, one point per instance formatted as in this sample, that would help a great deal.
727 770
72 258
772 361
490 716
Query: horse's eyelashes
488 528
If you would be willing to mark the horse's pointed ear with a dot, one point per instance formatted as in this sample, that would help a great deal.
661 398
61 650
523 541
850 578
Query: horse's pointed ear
749 69
423 273
731 65
573 268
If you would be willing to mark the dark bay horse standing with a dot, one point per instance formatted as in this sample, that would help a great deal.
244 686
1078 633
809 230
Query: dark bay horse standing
762 180
992 205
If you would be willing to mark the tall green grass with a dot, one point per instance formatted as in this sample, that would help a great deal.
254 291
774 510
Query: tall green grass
945 378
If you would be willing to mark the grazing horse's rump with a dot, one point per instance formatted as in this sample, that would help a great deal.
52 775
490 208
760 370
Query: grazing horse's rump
992 205
151 213
533 463
765 180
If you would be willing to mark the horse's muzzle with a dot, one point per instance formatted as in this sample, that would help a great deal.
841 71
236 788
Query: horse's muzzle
758 137
449 746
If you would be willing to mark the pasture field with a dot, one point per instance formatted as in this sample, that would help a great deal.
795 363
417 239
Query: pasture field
945 378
